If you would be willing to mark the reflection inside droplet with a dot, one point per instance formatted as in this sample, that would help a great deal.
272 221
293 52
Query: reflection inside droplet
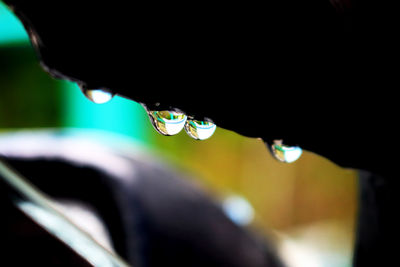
284 153
98 96
167 122
200 130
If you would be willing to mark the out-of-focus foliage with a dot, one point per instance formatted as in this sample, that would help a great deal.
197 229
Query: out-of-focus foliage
27 94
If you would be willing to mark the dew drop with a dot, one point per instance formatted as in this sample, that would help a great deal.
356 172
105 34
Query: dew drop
200 130
287 154
167 122
98 96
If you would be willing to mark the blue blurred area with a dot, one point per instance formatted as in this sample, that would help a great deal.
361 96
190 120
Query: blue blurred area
11 29
119 115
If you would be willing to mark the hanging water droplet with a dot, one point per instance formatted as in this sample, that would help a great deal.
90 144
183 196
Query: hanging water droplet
98 96
287 154
200 130
167 122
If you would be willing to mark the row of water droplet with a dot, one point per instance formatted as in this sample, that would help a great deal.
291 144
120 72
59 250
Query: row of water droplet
166 122
171 122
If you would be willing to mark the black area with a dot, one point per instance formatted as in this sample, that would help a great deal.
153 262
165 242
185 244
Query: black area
313 73
25 243
377 227
62 181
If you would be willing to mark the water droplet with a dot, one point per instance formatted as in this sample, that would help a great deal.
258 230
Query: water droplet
167 122
200 130
98 96
287 154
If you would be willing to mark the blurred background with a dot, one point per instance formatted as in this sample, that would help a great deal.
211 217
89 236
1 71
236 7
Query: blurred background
308 207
